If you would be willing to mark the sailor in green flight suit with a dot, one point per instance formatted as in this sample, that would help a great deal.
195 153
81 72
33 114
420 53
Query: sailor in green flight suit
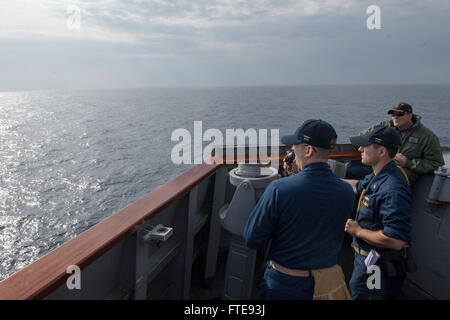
420 151
383 217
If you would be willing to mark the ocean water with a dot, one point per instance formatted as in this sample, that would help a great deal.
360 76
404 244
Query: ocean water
70 159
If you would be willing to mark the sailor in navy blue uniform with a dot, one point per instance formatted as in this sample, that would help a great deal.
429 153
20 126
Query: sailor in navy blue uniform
383 218
304 215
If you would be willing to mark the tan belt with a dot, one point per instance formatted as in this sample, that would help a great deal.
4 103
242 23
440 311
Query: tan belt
360 251
291 272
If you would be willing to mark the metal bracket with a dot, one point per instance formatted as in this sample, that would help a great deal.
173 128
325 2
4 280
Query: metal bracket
158 234
234 217
440 188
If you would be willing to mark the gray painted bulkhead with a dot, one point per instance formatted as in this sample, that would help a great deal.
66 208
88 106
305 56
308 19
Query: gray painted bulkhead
133 269
430 241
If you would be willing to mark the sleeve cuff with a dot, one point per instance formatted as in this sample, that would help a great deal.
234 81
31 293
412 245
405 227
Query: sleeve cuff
408 163
393 233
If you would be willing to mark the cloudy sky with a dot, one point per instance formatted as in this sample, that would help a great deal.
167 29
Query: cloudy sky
165 43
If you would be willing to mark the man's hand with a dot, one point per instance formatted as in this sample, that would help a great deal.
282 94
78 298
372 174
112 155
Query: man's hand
400 159
287 166
352 227
374 238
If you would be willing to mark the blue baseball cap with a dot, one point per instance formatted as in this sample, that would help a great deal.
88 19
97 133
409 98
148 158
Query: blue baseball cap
317 133
382 135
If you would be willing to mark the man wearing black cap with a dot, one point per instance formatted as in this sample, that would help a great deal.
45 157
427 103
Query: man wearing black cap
304 215
382 224
420 152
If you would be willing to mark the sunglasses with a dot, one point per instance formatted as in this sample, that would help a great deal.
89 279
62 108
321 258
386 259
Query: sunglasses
398 114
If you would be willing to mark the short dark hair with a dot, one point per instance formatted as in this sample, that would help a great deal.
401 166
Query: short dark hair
325 153
390 151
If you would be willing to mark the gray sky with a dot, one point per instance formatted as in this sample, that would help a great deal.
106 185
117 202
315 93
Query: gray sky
157 43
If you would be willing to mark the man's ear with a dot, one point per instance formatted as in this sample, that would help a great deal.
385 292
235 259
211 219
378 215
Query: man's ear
382 151
310 152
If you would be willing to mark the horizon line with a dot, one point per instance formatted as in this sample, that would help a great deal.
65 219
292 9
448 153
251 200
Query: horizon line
223 86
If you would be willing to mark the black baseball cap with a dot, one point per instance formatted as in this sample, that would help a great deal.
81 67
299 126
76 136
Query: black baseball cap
401 107
382 135
317 133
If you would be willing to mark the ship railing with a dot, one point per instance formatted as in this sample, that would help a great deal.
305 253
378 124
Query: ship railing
189 199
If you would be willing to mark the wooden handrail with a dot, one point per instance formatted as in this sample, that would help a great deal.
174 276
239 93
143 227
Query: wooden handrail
340 155
41 277
346 155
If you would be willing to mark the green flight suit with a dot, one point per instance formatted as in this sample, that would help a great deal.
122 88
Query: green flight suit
420 146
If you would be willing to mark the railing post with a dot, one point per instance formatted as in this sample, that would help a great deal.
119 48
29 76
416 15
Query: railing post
215 227
140 289
190 236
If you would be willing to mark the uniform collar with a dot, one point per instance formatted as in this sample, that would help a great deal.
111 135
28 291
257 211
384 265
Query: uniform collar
416 121
382 175
375 181
388 167
316 166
